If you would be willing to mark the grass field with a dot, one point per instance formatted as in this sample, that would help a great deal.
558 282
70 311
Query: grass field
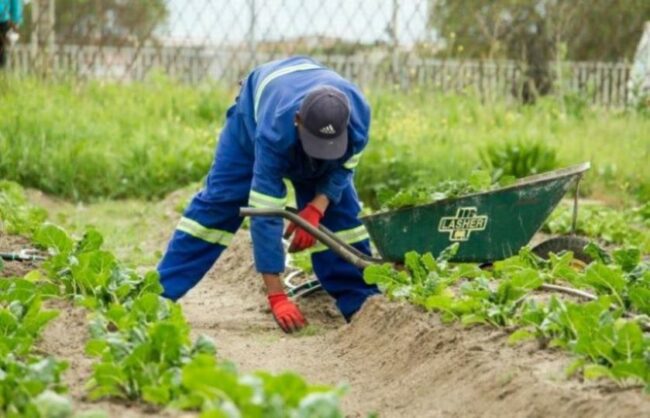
107 140
115 165
102 140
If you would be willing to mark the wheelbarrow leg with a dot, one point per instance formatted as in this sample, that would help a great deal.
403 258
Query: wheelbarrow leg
574 220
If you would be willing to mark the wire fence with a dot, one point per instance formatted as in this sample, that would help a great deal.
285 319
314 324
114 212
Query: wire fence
373 42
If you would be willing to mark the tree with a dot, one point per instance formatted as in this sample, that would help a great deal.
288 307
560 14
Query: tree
535 31
105 22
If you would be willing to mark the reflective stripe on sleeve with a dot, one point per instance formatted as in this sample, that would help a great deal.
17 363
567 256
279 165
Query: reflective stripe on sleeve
275 74
353 161
349 236
260 200
211 235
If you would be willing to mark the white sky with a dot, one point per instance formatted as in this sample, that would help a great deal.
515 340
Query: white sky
221 21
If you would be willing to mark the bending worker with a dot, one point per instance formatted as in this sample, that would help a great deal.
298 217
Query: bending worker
293 119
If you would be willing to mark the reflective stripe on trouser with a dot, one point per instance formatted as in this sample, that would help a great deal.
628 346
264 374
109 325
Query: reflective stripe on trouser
339 278
211 219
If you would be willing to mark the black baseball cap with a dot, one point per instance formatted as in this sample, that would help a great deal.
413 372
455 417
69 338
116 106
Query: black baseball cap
324 115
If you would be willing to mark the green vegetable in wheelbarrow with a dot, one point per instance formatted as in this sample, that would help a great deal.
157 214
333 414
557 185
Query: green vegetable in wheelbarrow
479 180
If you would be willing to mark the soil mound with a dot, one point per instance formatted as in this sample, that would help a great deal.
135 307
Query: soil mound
410 364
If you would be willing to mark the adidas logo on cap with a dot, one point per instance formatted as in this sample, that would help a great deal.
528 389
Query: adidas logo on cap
329 130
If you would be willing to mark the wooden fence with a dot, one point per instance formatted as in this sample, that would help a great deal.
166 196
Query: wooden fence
604 84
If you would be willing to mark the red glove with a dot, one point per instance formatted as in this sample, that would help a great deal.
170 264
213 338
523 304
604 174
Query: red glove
303 239
286 313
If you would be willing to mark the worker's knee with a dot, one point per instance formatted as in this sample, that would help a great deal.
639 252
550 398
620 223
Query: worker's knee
350 302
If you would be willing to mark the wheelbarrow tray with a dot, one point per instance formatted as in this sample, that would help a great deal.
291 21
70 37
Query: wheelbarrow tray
489 226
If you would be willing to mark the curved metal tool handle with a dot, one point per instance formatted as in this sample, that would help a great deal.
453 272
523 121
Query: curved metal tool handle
322 234
27 254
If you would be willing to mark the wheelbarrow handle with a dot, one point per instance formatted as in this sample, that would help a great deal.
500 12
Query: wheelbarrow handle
322 234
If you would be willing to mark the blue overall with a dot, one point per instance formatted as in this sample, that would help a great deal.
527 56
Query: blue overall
258 148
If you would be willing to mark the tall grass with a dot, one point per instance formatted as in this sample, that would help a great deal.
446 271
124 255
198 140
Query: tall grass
421 137
84 141
89 140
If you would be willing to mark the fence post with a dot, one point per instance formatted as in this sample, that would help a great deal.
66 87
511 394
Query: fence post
392 28
42 35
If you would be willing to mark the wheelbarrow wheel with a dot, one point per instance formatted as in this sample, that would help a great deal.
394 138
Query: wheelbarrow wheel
572 243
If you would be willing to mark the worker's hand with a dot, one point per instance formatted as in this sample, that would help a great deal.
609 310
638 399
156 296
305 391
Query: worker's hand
301 238
286 313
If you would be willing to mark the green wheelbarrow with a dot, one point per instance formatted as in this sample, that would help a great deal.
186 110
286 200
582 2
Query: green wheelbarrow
488 226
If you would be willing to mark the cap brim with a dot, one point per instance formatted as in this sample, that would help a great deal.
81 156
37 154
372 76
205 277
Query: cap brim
323 149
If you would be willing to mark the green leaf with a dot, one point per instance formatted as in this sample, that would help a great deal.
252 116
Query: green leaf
417 269
627 258
449 252
596 371
35 318
640 299
473 319
575 366
520 335
53 237
33 276
53 405
527 279
606 279
108 380
598 253
378 274
151 283
480 179
429 262
320 405
439 302
91 241
637 369
157 395
95 347
204 345
629 340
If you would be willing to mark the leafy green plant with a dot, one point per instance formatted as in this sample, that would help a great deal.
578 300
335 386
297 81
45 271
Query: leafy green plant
23 381
518 159
423 194
612 226
142 342
17 216
88 272
21 316
605 335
